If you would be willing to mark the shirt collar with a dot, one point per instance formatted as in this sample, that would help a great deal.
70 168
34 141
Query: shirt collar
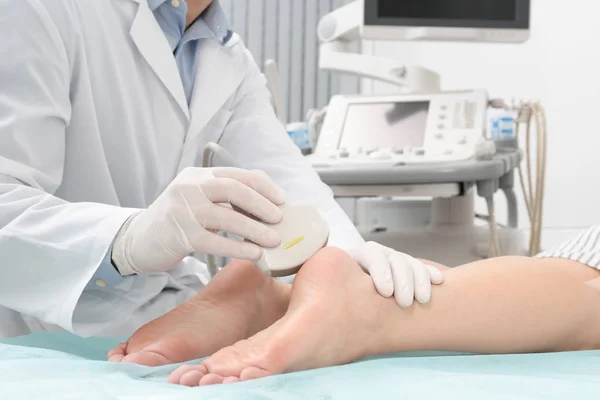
215 19
154 4
212 22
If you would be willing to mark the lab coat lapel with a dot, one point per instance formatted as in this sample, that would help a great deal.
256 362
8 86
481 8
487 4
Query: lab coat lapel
220 71
154 47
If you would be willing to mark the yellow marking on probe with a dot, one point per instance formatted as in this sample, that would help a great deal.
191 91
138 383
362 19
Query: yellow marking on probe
293 242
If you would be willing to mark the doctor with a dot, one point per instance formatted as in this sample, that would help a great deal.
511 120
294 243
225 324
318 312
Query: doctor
105 107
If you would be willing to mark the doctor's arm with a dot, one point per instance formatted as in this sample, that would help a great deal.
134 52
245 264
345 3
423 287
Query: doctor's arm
257 140
50 249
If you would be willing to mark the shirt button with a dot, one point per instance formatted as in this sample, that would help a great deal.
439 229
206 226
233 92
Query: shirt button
176 3
100 283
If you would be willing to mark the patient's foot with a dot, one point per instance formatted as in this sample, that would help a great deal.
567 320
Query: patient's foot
237 303
327 324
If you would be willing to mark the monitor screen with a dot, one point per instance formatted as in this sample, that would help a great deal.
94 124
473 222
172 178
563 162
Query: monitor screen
384 125
473 14
475 10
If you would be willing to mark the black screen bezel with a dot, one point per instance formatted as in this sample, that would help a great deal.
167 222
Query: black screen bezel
522 21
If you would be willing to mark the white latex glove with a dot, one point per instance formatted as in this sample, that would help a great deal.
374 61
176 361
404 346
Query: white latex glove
187 215
398 274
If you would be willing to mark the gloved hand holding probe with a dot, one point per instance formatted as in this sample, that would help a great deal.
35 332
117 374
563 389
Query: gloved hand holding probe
188 215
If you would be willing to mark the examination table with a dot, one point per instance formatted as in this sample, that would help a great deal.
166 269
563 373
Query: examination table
62 366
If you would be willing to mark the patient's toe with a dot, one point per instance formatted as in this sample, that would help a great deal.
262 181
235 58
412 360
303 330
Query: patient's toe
177 375
211 379
253 373
191 378
117 354
148 358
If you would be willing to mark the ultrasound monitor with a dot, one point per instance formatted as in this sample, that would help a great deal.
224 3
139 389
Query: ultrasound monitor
502 21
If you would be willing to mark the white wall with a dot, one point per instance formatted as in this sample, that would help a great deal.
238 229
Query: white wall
560 66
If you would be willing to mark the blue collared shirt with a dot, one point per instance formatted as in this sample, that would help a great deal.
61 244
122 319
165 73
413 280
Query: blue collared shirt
171 17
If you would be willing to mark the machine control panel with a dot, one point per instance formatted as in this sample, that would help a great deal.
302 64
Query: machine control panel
401 129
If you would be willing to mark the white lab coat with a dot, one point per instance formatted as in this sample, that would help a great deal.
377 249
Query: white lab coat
94 124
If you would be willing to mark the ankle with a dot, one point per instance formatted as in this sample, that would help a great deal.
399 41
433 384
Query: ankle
235 278
273 300
374 312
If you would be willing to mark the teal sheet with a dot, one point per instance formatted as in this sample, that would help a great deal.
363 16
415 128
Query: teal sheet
62 366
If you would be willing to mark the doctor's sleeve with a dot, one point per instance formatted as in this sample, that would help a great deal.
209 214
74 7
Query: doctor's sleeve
257 140
106 274
49 248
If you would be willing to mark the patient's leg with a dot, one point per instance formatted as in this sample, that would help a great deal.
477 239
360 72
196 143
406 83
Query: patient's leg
237 303
494 306
595 284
